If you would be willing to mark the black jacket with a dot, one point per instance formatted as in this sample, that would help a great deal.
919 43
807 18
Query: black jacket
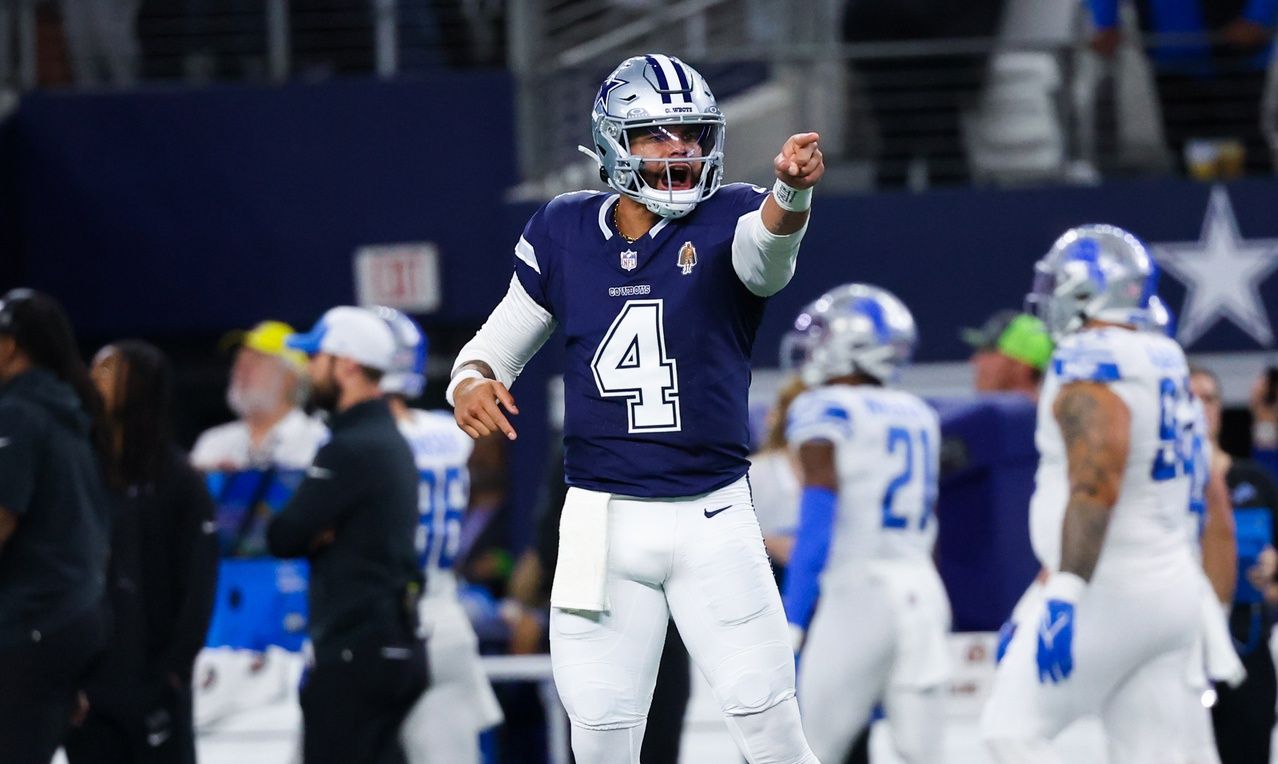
54 565
161 582
363 488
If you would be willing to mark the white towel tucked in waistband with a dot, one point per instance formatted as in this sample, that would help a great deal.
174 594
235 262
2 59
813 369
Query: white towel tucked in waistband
1219 655
581 575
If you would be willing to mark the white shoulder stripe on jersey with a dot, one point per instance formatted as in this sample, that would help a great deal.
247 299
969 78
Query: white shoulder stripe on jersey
524 251
603 215
656 229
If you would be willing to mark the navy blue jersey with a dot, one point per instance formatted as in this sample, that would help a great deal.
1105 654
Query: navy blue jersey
658 334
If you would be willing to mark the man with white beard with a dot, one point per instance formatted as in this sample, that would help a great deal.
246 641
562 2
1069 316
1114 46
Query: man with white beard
264 392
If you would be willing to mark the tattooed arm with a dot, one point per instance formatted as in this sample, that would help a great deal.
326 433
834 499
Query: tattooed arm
1095 424
1220 545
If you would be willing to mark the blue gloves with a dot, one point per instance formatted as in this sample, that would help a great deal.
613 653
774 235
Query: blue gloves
1056 642
1056 630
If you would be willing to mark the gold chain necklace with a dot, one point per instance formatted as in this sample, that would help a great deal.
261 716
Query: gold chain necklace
617 224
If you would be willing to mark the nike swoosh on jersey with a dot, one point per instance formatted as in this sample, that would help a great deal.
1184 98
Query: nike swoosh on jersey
717 511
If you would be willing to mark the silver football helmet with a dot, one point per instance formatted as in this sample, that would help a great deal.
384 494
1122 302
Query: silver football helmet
852 328
407 374
648 95
1093 272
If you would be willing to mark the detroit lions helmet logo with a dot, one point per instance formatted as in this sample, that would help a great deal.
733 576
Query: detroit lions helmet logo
687 258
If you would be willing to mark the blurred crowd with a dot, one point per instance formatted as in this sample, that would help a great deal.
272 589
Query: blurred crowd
923 76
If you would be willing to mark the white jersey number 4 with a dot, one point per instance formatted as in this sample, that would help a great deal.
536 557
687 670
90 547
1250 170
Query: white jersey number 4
632 363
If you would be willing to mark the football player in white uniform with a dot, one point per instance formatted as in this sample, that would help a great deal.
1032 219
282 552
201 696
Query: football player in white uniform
444 726
869 457
1115 631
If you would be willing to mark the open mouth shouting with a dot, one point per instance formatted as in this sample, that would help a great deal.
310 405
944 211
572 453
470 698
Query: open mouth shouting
678 177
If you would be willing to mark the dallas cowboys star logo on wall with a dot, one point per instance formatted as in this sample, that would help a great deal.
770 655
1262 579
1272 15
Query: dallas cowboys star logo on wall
1222 273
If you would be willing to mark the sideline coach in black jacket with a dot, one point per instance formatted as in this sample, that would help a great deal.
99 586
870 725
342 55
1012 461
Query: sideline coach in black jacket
54 524
354 517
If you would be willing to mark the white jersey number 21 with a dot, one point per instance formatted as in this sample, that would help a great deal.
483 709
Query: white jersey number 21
632 363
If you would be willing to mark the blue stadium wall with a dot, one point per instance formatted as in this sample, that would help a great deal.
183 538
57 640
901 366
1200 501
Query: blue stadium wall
163 212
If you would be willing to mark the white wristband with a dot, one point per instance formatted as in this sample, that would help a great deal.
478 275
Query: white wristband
1264 435
1064 586
792 199
458 378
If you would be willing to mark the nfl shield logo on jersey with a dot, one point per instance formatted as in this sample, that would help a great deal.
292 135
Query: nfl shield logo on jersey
687 257
629 260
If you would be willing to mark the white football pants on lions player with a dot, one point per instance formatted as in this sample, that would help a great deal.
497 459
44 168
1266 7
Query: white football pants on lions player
669 559
865 645
444 726
1134 646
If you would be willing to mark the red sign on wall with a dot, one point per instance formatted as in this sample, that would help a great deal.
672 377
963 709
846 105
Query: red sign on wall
403 276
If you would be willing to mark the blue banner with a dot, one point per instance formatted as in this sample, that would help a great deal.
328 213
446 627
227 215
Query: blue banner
164 212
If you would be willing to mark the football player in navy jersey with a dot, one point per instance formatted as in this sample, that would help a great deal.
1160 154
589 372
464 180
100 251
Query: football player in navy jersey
658 289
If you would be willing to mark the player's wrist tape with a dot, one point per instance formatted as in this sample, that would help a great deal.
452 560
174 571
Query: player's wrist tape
1064 586
458 378
1265 434
792 199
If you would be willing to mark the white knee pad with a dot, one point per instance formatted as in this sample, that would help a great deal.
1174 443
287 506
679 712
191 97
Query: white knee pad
607 746
600 696
772 736
755 679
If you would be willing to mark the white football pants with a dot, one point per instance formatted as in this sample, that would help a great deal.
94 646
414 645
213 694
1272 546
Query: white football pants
668 559
847 666
1133 651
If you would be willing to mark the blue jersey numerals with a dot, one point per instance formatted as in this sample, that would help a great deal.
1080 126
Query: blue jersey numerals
1175 455
904 444
441 501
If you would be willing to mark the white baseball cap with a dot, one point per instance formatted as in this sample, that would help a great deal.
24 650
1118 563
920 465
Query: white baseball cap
352 333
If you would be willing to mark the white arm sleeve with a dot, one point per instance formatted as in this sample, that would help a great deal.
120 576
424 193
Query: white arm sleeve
763 260
513 333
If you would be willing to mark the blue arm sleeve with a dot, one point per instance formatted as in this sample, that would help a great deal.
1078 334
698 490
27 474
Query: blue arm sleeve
1104 13
1267 458
811 547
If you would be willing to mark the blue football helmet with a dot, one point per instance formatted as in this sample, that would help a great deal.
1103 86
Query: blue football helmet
852 328
407 373
1093 272
649 94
